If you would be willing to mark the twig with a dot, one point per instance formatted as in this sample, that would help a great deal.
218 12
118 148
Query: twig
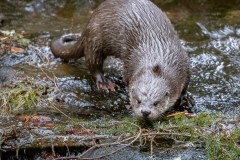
61 112
115 143
51 79
151 147
68 151
44 59
72 140
52 147
107 144
171 134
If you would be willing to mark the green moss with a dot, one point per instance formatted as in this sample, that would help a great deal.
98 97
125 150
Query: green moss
205 119
20 95
219 146
112 128
102 127
59 128
118 129
223 147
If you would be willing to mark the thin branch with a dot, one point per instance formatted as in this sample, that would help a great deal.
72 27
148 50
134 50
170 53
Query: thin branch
108 144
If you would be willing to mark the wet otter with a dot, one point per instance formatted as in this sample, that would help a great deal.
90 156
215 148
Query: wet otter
156 68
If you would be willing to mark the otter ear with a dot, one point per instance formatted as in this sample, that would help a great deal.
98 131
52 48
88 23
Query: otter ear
157 70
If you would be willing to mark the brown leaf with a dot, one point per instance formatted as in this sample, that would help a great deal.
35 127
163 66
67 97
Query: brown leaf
24 118
37 121
34 118
16 50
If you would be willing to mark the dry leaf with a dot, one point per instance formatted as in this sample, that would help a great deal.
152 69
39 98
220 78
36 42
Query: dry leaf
16 50
180 113
34 118
37 121
174 114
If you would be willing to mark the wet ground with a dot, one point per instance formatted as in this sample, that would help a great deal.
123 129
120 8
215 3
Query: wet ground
209 31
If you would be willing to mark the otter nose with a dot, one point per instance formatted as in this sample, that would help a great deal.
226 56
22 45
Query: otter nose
145 113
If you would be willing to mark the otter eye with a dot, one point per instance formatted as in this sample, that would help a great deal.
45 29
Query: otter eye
167 94
156 103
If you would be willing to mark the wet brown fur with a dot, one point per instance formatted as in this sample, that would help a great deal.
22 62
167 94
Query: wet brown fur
141 35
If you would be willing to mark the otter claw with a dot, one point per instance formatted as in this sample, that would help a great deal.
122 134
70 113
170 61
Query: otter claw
108 86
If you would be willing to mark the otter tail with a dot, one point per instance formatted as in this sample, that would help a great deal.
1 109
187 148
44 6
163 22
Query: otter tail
67 47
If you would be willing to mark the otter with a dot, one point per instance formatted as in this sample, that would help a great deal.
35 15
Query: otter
156 67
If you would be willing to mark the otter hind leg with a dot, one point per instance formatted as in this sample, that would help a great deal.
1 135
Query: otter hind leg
94 60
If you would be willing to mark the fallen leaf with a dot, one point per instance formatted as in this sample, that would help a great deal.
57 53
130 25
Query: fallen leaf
34 118
37 121
174 114
24 118
16 50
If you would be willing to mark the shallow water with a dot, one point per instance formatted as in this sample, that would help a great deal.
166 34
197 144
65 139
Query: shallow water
209 31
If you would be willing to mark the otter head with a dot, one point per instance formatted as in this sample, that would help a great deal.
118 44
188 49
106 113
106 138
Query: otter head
151 95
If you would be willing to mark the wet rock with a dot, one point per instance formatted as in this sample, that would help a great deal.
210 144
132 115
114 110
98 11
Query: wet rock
7 74
134 154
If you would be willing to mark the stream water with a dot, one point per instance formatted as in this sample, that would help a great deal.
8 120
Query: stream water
209 32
